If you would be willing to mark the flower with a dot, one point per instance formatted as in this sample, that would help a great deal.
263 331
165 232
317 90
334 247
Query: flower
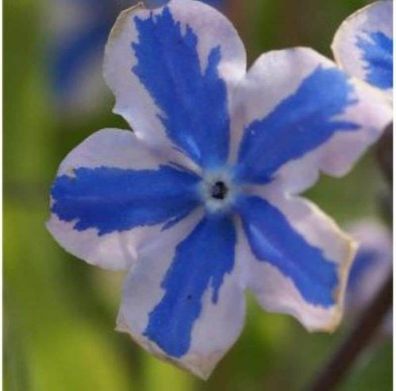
201 201
371 266
363 45
79 29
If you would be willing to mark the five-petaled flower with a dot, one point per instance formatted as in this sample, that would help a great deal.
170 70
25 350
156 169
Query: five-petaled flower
201 201
363 45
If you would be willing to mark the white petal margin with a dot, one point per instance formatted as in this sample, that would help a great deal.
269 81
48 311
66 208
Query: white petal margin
276 292
218 325
276 75
376 17
109 148
133 101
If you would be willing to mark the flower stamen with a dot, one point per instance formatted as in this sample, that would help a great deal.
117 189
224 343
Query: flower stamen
219 190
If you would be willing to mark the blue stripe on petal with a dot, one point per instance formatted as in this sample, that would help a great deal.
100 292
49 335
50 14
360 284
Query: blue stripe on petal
377 52
114 199
201 262
302 122
273 240
193 102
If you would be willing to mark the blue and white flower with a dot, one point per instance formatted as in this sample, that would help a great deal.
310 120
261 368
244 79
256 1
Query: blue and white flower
79 31
363 45
201 201
372 264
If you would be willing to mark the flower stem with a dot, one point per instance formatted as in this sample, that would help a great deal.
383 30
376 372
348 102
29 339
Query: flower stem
373 315
365 328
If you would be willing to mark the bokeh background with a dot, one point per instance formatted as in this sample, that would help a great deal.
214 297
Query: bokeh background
60 312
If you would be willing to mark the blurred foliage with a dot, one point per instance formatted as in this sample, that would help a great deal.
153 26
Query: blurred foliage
60 313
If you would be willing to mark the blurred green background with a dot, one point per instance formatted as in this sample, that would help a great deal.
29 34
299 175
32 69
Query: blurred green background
60 312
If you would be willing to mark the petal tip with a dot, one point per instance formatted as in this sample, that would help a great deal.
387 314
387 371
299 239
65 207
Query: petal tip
337 311
121 19
196 364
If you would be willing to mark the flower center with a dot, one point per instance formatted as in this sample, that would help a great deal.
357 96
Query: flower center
219 190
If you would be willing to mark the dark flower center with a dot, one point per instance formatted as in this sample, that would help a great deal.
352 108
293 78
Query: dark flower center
219 191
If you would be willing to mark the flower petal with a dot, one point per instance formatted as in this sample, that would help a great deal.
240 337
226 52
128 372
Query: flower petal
299 114
372 264
110 193
183 301
300 258
171 70
363 45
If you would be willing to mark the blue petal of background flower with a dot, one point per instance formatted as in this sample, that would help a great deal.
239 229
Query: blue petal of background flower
73 55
